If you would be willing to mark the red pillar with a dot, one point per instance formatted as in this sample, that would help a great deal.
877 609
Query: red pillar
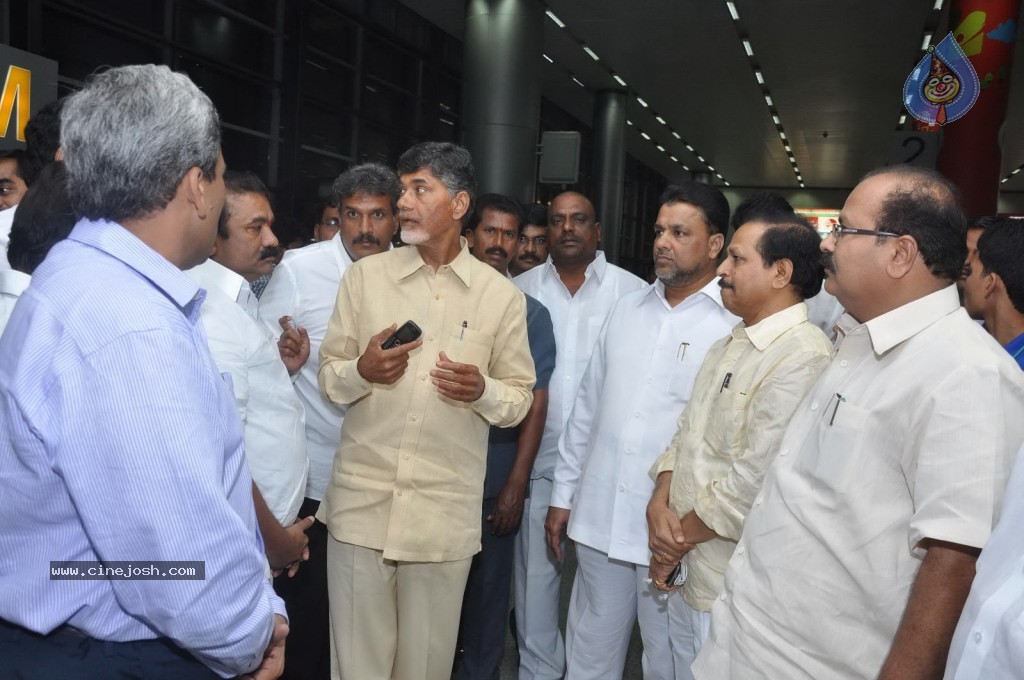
970 155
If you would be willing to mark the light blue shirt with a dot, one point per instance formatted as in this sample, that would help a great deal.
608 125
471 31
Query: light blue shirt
119 440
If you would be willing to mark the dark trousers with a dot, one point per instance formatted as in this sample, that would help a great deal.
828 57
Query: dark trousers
485 605
69 655
307 650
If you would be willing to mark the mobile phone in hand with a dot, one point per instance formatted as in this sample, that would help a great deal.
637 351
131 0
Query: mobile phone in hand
405 334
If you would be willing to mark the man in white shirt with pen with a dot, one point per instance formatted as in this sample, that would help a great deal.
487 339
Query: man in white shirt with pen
637 382
578 286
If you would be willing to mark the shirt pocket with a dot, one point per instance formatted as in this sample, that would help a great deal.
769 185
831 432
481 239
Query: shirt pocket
726 420
467 346
839 446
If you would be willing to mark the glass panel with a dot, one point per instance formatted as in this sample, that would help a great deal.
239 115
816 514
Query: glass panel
245 152
328 85
227 39
387 107
330 32
80 48
390 63
239 101
326 130
146 14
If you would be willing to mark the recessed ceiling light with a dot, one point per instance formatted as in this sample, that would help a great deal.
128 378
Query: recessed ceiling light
776 120
641 102
620 81
661 148
577 81
689 148
748 47
938 5
700 158
686 167
760 77
645 136
553 17
629 122
592 53
782 135
674 159
788 148
801 185
903 119
727 183
676 135
711 167
927 41
768 100
719 176
732 11
550 60
660 120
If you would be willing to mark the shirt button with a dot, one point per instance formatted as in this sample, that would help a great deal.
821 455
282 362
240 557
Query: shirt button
783 452
423 376
741 550
636 414
399 492
629 451
412 418
407 456
759 499
843 363
431 338
725 597
977 637
437 297
814 406
622 487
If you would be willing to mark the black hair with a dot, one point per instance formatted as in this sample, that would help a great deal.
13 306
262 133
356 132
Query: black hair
497 203
42 139
450 163
1001 251
762 206
710 200
793 239
536 215
44 217
239 182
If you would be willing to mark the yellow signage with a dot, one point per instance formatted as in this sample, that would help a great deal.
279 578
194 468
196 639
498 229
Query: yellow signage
17 92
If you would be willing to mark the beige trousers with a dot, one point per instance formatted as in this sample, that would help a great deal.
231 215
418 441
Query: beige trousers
392 620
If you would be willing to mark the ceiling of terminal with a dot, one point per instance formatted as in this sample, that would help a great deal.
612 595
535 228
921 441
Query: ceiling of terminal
834 71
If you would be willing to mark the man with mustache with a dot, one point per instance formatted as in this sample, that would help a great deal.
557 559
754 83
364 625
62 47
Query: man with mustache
533 240
637 382
859 550
578 286
493 231
271 413
300 299
745 392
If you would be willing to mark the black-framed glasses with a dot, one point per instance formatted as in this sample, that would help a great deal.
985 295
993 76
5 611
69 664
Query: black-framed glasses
332 222
838 230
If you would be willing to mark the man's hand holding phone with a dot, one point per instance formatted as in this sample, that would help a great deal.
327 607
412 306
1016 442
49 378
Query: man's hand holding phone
385 366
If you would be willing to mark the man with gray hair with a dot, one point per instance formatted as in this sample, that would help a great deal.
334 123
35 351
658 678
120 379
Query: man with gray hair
299 299
403 503
130 538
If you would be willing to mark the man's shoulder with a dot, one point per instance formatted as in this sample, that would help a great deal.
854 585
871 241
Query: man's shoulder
624 279
299 260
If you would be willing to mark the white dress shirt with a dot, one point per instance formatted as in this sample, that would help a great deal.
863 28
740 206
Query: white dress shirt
275 447
989 640
12 284
577 321
305 287
908 435
6 220
638 380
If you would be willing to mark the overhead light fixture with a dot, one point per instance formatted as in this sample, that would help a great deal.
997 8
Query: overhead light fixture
903 119
711 168
768 100
700 158
686 167
660 120
645 136
782 135
592 53
792 160
554 17
732 11
629 122
927 41
726 183
775 119
673 159
1014 172
550 60
641 102
938 5
676 135
619 80
1004 180
748 47
661 148
799 178
689 148
719 176
801 185
760 77
577 81
788 148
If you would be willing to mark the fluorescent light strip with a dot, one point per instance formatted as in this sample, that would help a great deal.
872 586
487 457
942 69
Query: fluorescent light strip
801 185
619 80
768 100
700 158
760 77
553 17
927 41
938 5
732 11
903 119
686 167
550 60
748 48
592 53
1014 172
660 120
711 167
719 177
577 81
782 135
726 183
775 119
641 102
661 148
673 159
629 122
676 135
645 136
788 148
689 148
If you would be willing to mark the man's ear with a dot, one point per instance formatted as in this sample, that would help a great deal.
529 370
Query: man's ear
715 245
783 274
903 257
468 233
194 188
460 205
597 225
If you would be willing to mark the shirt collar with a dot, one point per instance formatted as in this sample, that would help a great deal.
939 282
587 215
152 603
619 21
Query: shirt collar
596 268
895 326
212 275
712 290
410 262
124 246
345 258
767 330
13 282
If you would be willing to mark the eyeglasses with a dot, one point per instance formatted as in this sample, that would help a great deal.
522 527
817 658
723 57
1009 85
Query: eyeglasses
332 222
838 230
535 241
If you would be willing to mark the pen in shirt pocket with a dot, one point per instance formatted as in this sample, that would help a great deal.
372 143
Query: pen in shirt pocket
462 333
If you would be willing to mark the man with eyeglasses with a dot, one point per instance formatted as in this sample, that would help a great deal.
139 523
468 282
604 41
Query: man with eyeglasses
300 299
859 551
330 220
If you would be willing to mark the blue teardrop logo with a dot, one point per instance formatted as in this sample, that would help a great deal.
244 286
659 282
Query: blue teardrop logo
943 86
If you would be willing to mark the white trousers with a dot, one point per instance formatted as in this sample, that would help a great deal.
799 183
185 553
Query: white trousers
538 581
688 628
392 620
608 596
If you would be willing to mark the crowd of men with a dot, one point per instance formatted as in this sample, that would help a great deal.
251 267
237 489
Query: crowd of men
373 452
